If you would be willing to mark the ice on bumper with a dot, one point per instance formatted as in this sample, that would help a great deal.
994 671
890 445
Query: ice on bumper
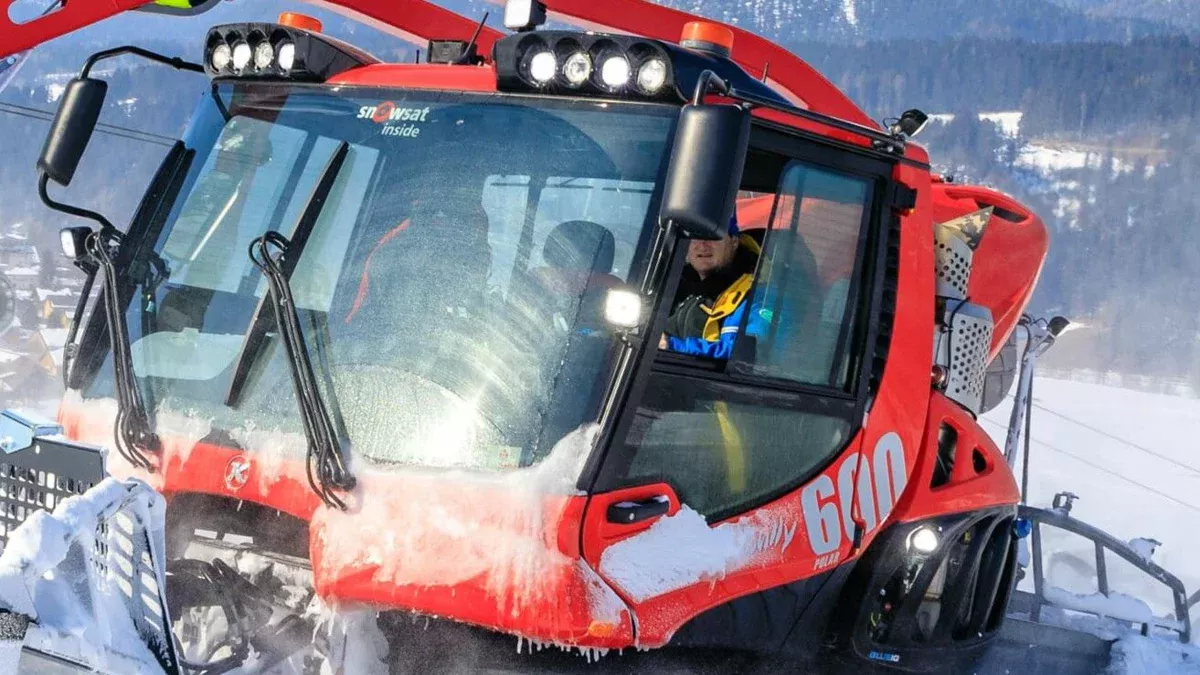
99 606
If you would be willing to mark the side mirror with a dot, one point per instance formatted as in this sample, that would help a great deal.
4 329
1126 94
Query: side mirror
706 168
72 129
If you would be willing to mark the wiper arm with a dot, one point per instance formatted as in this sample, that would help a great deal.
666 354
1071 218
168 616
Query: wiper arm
277 258
134 433
256 333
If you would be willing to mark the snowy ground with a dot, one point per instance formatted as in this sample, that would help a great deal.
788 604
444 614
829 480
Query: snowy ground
1134 460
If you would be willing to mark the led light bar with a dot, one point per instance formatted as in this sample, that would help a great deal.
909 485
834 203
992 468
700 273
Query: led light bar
616 66
585 63
274 51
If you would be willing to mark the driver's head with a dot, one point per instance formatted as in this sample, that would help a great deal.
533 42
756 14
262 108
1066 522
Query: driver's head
708 257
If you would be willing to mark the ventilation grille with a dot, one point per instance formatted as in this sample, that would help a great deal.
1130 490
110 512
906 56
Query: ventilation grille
887 310
964 341
953 258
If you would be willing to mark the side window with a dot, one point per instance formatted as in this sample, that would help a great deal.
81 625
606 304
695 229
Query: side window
722 445
725 438
807 285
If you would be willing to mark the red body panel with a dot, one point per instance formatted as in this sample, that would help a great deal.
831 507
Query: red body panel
421 76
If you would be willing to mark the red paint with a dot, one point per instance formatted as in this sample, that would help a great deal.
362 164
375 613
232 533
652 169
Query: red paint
420 76
967 490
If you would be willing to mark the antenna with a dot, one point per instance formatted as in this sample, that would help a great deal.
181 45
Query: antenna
467 55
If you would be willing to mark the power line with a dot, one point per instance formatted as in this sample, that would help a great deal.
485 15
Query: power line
1105 470
110 129
1118 439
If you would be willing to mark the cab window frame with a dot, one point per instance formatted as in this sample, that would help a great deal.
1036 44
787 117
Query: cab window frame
783 146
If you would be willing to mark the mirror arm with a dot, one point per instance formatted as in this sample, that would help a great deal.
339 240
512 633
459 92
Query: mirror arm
105 226
706 83
173 61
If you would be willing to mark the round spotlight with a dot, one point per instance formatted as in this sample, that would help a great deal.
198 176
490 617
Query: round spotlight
923 540
652 76
264 54
543 66
577 69
615 72
221 56
286 55
623 308
241 55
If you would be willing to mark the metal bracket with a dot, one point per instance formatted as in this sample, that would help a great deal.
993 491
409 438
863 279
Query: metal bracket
901 197
17 430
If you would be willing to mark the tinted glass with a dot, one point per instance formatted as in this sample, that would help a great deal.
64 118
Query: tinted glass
721 445
450 291
807 283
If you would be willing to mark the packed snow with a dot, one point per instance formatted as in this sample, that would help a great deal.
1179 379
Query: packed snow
1131 458
676 551
46 558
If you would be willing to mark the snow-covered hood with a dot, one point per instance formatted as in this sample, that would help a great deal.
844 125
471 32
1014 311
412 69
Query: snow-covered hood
496 550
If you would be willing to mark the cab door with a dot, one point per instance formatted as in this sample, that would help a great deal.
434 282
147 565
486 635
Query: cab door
730 478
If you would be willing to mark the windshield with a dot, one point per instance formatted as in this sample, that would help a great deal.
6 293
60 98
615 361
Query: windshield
450 292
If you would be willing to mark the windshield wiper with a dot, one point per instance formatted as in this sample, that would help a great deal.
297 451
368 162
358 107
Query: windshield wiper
134 432
277 256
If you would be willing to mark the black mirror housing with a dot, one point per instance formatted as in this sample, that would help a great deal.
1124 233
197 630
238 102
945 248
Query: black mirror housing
706 169
72 129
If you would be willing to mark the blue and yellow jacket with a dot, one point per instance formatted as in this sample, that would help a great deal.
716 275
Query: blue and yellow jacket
725 316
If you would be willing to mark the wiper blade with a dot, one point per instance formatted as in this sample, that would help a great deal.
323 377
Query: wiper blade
277 257
134 432
256 333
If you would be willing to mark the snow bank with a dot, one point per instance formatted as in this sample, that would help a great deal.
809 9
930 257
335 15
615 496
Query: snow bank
1137 655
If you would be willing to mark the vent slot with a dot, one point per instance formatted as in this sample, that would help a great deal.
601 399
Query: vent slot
947 448
978 461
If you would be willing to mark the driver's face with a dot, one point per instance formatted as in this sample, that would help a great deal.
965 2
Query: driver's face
707 257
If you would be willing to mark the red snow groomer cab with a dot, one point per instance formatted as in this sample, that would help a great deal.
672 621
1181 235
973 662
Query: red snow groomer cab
393 331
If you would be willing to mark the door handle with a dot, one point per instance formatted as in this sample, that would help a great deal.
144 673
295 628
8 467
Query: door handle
626 513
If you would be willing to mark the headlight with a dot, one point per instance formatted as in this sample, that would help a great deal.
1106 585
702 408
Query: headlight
543 66
293 49
286 55
241 55
652 76
586 64
221 56
577 69
924 540
623 308
614 71
264 55
73 241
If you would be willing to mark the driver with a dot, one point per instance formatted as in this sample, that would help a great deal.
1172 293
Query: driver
710 303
